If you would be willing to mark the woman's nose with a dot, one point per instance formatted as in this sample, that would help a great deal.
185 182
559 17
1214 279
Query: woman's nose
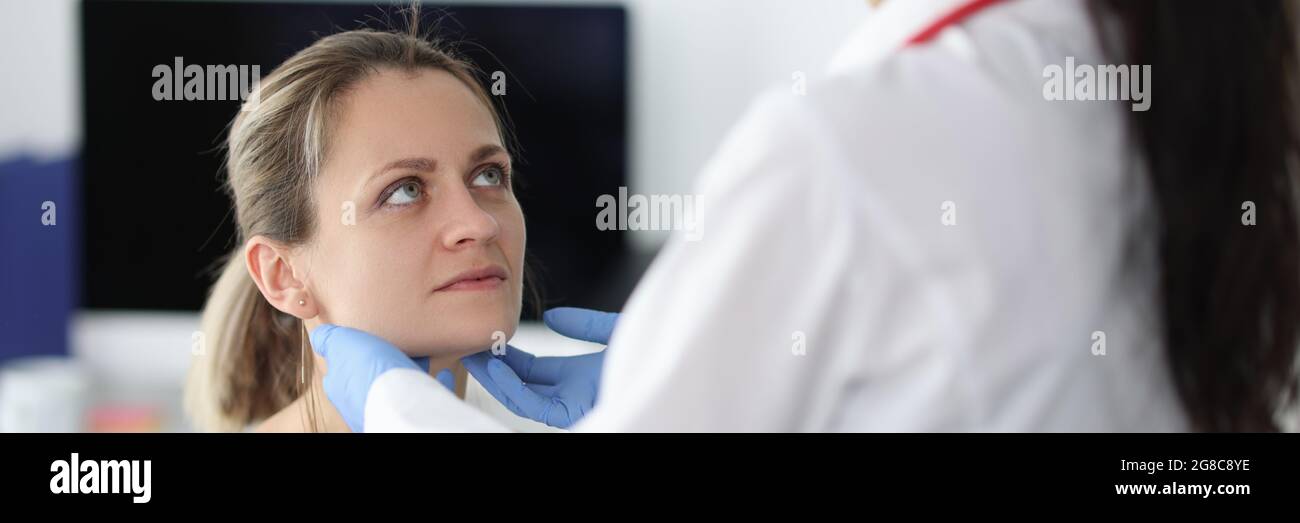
465 222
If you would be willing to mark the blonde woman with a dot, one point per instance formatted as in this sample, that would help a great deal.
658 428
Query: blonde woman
372 189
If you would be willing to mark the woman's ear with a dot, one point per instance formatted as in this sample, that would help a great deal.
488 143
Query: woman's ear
272 270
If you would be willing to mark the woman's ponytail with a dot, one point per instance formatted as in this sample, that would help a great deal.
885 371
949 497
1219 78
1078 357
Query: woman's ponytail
246 365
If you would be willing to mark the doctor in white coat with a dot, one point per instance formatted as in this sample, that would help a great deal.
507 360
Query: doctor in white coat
954 230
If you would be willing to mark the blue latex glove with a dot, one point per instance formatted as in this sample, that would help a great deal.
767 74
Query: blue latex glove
557 391
353 360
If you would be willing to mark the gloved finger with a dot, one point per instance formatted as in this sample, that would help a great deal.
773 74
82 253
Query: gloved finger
476 364
422 362
519 361
517 397
548 370
445 377
327 339
542 390
320 339
553 370
560 415
581 324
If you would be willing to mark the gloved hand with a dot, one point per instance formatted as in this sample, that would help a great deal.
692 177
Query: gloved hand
354 359
557 391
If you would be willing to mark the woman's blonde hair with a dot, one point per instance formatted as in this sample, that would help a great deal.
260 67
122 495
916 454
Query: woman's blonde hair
252 354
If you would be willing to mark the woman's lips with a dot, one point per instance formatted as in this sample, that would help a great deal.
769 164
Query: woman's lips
481 284
483 279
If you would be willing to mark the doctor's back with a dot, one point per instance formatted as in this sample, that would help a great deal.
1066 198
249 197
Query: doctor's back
935 236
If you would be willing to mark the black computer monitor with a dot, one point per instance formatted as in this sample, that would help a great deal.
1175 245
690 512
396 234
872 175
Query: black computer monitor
156 219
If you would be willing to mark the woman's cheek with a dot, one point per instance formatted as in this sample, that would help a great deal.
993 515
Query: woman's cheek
516 235
361 279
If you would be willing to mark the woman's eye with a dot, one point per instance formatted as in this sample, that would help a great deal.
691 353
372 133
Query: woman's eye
490 177
408 192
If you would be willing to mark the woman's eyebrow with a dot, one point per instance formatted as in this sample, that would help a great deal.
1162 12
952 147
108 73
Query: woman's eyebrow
484 152
412 164
430 164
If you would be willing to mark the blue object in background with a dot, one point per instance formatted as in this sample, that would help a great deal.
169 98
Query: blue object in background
39 278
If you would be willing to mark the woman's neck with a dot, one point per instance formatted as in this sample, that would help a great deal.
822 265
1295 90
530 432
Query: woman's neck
313 412
317 414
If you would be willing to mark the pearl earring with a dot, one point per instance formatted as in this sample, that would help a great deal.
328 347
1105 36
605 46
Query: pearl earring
302 303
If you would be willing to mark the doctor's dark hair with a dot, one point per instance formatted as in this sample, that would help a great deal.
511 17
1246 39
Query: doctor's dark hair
249 368
1222 132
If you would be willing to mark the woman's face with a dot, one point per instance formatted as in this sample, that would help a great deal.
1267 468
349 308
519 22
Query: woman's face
419 238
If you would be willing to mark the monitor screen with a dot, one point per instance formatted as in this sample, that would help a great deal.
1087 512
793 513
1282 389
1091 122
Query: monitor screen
157 221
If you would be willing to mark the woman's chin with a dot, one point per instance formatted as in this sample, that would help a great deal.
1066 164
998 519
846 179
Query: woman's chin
461 340
444 353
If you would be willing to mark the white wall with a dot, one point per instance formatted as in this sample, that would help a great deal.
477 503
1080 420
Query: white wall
40 106
696 66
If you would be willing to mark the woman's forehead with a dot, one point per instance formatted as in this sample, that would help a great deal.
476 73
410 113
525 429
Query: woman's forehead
395 114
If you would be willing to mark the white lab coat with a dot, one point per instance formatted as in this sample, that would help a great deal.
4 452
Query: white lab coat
921 242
